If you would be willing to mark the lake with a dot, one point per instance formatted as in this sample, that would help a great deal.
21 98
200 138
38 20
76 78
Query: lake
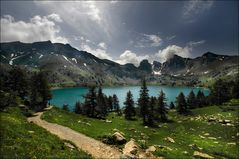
71 95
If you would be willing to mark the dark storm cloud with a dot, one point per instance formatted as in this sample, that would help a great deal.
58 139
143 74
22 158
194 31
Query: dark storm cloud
126 31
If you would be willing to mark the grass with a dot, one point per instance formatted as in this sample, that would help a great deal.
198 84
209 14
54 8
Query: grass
20 139
184 130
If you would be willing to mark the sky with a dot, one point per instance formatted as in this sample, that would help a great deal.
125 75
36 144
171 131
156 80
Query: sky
126 31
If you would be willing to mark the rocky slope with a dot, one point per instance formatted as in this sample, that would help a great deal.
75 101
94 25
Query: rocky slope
67 66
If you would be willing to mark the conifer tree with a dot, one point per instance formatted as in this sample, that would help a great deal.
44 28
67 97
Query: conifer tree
90 102
65 107
143 102
110 103
220 92
18 83
172 106
201 100
78 108
129 107
191 100
101 103
152 112
116 104
162 107
181 104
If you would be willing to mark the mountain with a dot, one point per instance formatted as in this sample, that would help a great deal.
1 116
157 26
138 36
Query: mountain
67 66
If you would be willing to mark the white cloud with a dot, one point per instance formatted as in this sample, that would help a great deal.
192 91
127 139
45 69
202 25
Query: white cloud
114 2
102 45
130 57
148 40
37 29
98 52
196 43
171 50
195 7
55 17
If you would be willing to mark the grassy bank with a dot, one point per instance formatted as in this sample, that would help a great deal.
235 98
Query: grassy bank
20 139
214 138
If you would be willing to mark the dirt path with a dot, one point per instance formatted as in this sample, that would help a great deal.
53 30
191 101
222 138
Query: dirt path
96 148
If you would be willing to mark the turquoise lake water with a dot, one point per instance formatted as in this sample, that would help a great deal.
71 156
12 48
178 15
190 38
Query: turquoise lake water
71 95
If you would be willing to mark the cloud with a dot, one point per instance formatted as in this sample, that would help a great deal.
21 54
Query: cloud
171 50
37 29
170 37
130 57
55 17
102 45
196 43
114 2
149 40
98 52
193 8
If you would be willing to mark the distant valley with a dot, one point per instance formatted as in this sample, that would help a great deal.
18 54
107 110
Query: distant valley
67 66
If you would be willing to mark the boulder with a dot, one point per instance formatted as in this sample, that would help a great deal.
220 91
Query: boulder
151 149
212 138
119 138
206 134
169 139
108 121
130 149
202 155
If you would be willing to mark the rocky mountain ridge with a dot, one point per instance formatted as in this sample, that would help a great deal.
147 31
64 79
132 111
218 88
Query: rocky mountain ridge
67 66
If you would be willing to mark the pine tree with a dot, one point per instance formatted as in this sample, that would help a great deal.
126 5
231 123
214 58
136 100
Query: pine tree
220 92
18 82
110 103
152 113
191 100
172 106
65 107
143 102
101 104
129 107
181 104
40 92
90 103
162 107
78 108
116 104
201 100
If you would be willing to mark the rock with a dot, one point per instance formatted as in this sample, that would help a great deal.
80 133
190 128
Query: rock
212 138
31 132
115 130
169 139
215 142
88 124
231 143
130 149
237 134
211 119
185 152
202 155
220 121
146 127
151 149
227 121
108 121
193 146
119 138
79 121
229 124
202 137
142 134
206 134
69 145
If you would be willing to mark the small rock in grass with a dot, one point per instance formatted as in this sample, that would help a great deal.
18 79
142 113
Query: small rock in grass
146 127
69 145
119 138
237 134
215 142
185 152
206 134
229 124
151 149
202 155
31 132
108 121
212 138
169 139
231 143
202 137
79 121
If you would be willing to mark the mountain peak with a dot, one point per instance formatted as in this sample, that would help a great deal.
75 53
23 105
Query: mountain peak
209 54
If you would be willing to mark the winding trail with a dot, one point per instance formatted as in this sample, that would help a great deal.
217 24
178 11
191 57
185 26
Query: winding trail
94 147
